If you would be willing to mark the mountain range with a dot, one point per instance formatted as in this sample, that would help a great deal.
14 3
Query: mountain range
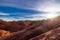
48 29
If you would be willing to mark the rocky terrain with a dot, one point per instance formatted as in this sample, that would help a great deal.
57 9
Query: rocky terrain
48 29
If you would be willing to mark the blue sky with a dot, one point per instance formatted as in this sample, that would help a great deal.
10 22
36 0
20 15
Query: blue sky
28 9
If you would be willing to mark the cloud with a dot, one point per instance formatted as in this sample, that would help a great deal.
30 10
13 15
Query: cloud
28 9
26 4
30 4
12 18
28 17
1 13
49 6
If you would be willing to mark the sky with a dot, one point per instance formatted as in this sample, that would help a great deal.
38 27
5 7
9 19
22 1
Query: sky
28 9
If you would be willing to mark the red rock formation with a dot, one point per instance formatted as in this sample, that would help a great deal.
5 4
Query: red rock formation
4 33
31 30
53 34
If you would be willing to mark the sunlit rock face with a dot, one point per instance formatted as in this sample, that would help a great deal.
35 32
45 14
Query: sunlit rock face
30 30
50 35
4 33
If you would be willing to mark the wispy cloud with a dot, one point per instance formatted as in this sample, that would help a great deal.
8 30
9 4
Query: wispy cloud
49 6
26 4
1 13
28 9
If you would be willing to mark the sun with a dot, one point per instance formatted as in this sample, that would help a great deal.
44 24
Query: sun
51 15
52 11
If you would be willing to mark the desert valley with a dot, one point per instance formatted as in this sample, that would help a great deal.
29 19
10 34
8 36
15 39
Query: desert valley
48 29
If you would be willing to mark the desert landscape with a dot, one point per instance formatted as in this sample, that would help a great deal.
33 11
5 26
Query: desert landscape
48 29
29 19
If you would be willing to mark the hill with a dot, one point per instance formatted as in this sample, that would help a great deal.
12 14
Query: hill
30 30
